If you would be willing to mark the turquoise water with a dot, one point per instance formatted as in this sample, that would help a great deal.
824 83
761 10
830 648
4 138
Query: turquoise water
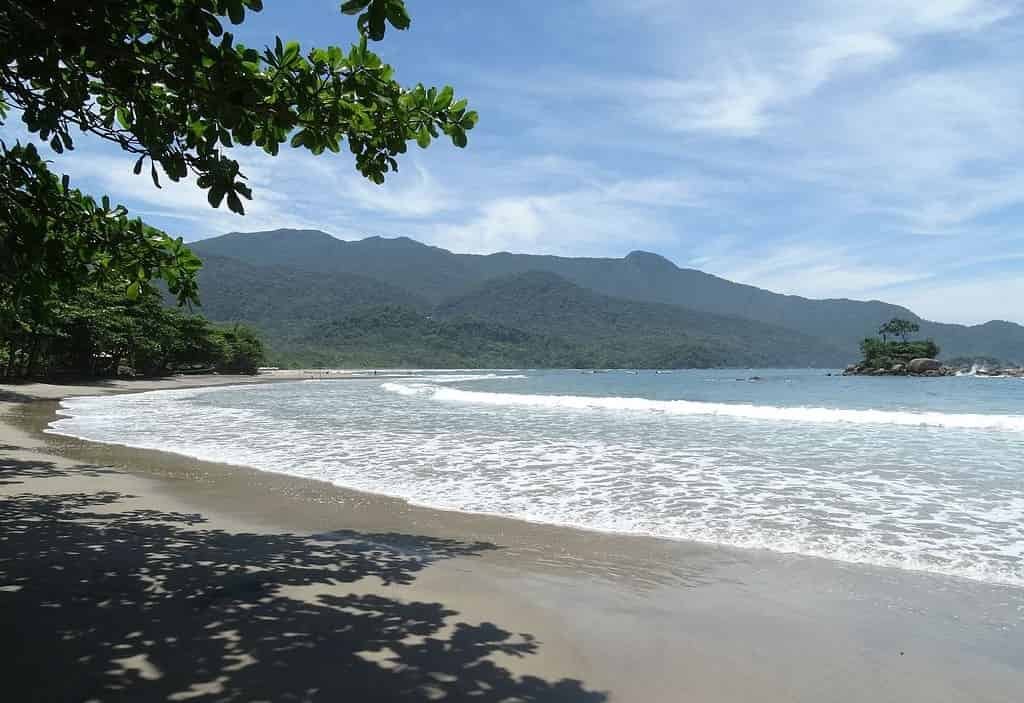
922 474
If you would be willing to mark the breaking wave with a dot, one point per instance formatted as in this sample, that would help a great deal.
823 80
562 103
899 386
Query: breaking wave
973 421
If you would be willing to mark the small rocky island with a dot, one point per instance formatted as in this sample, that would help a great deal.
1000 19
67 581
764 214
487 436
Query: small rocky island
893 353
917 366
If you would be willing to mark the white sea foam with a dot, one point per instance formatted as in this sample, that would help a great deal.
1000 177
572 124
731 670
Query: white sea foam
950 503
976 421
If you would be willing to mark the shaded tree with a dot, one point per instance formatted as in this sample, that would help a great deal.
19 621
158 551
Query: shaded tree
898 327
165 82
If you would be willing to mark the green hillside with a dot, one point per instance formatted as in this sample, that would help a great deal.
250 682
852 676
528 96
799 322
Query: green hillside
532 319
285 302
392 336
635 334
436 274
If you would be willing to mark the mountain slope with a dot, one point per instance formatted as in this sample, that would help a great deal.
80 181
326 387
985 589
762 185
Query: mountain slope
437 274
392 336
633 333
284 301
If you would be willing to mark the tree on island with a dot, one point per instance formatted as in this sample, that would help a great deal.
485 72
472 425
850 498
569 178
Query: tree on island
166 83
898 327
883 354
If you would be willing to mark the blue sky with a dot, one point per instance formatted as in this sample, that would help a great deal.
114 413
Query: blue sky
842 149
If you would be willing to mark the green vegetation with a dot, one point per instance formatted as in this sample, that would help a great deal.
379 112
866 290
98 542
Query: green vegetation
898 327
391 336
533 319
435 275
100 333
167 84
885 354
627 333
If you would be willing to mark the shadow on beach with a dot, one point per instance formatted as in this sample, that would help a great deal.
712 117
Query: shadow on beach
102 602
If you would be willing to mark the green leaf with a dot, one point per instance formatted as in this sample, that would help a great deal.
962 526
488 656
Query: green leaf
291 52
444 98
133 290
423 138
459 137
354 7
138 165
215 196
234 204
398 16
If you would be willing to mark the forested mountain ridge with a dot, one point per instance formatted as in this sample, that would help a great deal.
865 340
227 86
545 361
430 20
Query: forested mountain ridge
433 276
645 334
533 319
285 301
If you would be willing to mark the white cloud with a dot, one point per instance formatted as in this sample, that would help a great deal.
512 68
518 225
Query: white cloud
804 146
968 302
577 222
809 270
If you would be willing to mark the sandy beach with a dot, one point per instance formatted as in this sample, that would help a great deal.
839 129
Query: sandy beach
137 575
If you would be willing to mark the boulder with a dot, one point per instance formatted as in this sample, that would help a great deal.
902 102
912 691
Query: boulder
923 365
898 368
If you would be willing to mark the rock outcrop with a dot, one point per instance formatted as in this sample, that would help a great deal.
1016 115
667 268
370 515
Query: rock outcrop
923 365
928 368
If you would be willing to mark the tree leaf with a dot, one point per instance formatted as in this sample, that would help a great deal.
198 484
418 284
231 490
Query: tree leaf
354 7
423 138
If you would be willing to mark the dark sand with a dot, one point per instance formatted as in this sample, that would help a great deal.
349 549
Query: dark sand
136 575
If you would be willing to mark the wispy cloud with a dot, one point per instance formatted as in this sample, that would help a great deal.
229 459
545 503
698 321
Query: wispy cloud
857 148
575 222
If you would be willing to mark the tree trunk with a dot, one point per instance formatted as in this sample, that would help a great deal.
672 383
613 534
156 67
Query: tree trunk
33 357
10 358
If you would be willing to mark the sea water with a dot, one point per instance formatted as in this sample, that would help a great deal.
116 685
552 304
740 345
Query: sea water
921 474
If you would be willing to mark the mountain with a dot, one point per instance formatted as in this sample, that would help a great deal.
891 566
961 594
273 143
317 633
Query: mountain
391 336
632 333
284 301
428 271
435 275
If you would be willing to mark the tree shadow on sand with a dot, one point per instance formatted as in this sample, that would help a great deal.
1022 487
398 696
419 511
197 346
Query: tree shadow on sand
15 471
103 604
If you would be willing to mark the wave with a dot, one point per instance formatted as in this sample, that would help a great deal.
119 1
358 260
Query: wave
456 378
741 411
949 508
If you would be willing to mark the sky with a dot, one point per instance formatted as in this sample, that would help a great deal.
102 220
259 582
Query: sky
859 149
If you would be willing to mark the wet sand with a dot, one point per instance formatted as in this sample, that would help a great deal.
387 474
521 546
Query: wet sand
138 575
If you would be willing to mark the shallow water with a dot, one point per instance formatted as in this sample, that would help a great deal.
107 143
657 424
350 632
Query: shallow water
924 474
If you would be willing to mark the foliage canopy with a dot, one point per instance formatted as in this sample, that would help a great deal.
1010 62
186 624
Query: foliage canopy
98 332
898 327
165 81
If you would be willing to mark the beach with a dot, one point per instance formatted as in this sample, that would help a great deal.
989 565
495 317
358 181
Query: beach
129 574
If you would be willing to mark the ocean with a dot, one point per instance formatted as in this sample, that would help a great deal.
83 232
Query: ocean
918 474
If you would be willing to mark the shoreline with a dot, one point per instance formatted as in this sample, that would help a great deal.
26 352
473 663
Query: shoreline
632 616
739 550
